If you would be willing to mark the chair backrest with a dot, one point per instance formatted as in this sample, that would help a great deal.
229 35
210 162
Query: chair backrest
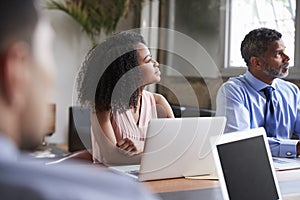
191 111
79 128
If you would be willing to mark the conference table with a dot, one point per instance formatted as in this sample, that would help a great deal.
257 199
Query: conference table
190 189
195 189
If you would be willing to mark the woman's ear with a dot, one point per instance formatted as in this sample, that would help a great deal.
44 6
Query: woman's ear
14 69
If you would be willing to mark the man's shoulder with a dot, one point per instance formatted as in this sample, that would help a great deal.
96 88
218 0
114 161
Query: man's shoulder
235 88
287 85
66 182
235 83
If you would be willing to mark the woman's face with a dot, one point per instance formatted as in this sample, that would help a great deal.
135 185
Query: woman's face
148 66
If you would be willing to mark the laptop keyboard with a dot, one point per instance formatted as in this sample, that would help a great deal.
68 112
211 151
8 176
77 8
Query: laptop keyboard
280 161
134 172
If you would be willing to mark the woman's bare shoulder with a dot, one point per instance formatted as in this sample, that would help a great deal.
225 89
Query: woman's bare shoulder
104 116
158 97
163 106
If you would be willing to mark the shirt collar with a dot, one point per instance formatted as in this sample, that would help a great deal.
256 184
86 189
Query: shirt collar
9 151
257 84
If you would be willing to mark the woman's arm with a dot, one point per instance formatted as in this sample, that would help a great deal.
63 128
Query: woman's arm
106 127
104 119
164 109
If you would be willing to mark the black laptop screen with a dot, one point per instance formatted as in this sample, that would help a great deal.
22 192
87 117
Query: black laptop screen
247 170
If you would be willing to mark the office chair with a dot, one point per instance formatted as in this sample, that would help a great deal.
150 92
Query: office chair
79 129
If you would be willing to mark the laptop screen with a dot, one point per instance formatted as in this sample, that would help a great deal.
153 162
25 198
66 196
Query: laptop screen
247 171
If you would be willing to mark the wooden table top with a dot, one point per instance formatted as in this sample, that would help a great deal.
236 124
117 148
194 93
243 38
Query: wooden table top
182 184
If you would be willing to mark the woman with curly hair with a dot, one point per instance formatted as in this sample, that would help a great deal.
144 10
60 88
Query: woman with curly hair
112 81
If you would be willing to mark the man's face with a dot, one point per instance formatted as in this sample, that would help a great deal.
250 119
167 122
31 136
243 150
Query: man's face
39 88
275 61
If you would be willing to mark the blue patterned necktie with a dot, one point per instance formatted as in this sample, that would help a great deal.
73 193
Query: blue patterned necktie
270 117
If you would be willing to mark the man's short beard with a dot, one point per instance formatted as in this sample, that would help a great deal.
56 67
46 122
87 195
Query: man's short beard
277 74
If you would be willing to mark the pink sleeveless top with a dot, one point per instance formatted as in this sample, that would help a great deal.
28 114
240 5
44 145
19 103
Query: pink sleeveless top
124 126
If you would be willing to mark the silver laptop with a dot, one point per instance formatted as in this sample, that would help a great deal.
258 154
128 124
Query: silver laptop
244 166
286 163
177 147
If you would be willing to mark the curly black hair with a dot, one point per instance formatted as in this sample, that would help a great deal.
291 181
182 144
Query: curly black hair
256 42
109 77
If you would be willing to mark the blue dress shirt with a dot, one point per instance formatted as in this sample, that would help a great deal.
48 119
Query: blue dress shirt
243 102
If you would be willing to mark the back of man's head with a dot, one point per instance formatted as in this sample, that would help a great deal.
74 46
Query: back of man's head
26 64
18 19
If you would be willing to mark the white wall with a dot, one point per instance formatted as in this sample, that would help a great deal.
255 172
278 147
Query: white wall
70 48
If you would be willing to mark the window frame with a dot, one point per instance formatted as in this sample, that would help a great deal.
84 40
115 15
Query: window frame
227 70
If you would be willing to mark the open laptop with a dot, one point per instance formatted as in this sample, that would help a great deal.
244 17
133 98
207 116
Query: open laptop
244 166
177 147
286 163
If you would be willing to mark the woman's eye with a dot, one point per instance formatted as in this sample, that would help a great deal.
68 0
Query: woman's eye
279 53
148 61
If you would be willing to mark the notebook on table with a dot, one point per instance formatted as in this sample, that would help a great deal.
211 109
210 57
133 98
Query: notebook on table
245 167
177 147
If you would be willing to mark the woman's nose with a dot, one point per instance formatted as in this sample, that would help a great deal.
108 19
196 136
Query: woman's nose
155 63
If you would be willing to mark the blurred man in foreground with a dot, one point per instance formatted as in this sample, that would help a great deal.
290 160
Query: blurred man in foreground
26 69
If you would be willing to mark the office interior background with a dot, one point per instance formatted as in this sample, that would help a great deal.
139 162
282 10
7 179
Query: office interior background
217 26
